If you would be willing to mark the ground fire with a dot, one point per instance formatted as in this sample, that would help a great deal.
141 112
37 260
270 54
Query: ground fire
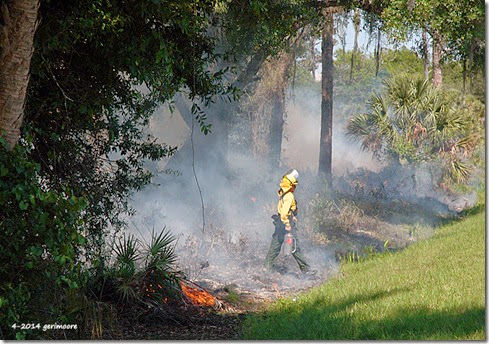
192 292
198 296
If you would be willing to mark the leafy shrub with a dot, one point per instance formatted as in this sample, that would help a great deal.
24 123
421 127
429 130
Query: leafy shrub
40 242
325 211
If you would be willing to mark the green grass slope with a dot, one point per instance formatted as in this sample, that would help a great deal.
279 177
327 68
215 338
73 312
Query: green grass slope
433 290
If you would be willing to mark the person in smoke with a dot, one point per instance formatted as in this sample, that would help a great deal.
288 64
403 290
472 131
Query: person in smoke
285 221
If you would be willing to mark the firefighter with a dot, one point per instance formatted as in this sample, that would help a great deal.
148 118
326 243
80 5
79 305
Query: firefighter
285 221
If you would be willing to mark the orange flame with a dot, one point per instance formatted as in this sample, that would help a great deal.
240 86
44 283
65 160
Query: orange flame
198 297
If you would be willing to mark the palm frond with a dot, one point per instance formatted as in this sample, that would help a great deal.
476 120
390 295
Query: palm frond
375 101
128 292
359 126
467 142
421 88
416 122
459 171
383 123
127 252
161 251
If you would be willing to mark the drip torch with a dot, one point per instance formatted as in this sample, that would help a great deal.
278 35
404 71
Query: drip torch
289 241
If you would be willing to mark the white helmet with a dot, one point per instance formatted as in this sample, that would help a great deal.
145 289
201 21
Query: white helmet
293 175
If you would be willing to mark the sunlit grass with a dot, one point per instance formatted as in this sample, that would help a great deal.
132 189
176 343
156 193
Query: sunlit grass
433 290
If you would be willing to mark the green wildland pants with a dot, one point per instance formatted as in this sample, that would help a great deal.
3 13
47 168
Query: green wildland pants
276 245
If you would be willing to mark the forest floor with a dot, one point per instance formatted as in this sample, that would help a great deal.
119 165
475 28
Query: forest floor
186 321
189 322
394 225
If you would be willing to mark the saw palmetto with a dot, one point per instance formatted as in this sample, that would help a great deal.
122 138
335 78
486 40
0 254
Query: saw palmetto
413 122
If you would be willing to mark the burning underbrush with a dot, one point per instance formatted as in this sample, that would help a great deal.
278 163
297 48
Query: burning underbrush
191 294
191 313
198 296
221 260
143 287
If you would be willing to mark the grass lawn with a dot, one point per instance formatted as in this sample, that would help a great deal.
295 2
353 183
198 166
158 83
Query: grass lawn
433 290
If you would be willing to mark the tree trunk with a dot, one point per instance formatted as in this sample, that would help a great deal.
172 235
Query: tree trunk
313 58
356 22
471 65
276 128
437 54
19 20
425 55
378 52
266 106
278 108
342 27
326 138
464 74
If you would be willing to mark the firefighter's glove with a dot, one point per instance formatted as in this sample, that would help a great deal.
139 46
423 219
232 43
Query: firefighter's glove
276 220
288 228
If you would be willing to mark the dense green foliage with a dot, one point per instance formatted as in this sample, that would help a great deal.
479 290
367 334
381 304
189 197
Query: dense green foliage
98 72
433 290
460 23
96 81
265 26
41 239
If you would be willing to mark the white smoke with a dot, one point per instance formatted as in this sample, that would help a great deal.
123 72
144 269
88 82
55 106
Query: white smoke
237 207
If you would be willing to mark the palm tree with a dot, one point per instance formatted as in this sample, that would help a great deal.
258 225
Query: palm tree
414 122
